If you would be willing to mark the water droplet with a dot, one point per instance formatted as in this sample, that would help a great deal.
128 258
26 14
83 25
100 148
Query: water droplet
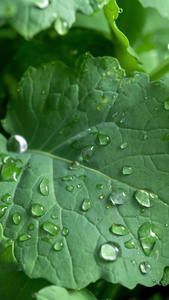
145 267
86 204
65 131
123 146
79 186
108 206
166 104
51 228
104 139
75 165
7 199
130 244
17 143
99 186
120 10
110 251
47 240
54 217
44 187
102 196
119 229
16 218
88 152
24 237
157 83
118 196
82 177
58 245
10 170
70 188
166 137
145 136
31 227
166 225
142 210
65 231
37 210
41 3
61 26
148 235
133 262
2 210
67 178
145 197
127 170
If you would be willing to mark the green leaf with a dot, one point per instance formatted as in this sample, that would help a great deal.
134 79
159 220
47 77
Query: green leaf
54 292
162 7
116 129
32 16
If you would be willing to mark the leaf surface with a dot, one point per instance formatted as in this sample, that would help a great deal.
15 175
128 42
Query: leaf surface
116 127
162 7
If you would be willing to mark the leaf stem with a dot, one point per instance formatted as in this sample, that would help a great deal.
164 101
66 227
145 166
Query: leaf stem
162 69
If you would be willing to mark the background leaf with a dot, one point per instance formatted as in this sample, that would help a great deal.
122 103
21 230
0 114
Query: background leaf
162 6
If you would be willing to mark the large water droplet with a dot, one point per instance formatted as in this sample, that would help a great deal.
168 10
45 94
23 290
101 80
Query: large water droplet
51 228
110 251
7 199
148 235
166 104
99 186
127 170
70 188
145 197
2 210
130 244
86 204
145 267
104 139
65 231
58 245
24 237
16 218
17 143
75 165
61 26
10 170
37 210
119 229
44 187
41 3
118 196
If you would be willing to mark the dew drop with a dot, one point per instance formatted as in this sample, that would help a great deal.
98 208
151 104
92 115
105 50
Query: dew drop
133 262
123 146
24 237
41 3
16 217
51 228
102 196
88 152
99 186
75 165
127 170
17 143
166 137
86 204
7 199
145 267
166 104
145 197
104 139
119 229
58 245
148 235
10 170
37 210
31 227
67 178
157 83
44 187
130 244
82 177
118 196
79 186
120 10
54 217
65 231
61 26
70 188
2 210
47 240
110 251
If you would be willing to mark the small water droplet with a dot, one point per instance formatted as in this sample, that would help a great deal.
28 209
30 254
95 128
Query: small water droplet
17 143
70 188
37 210
120 10
2 210
88 152
7 199
145 267
65 231
86 204
44 187
142 210
51 228
123 146
127 170
41 3
108 206
118 196
166 104
47 240
157 83
145 136
99 186
75 165
166 225
58 246
79 186
145 197
61 26
130 244
16 218
54 217
67 178
110 251
119 229
31 227
24 237
148 235
133 262
102 196
104 139
82 177
166 137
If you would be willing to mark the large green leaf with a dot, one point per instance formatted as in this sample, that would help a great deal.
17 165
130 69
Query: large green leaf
161 6
117 128
31 16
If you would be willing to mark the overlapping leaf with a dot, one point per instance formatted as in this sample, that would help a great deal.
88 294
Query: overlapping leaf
116 127
162 6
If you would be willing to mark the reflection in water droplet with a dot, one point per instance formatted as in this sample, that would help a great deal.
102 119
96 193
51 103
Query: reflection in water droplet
70 188
130 244
104 139
65 231
31 227
75 165
145 267
118 196
2 210
119 229
58 245
86 204
110 251
127 170
99 186
16 218
145 197
123 146
51 228
24 237
44 187
7 199
37 210
166 104
17 143
148 235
